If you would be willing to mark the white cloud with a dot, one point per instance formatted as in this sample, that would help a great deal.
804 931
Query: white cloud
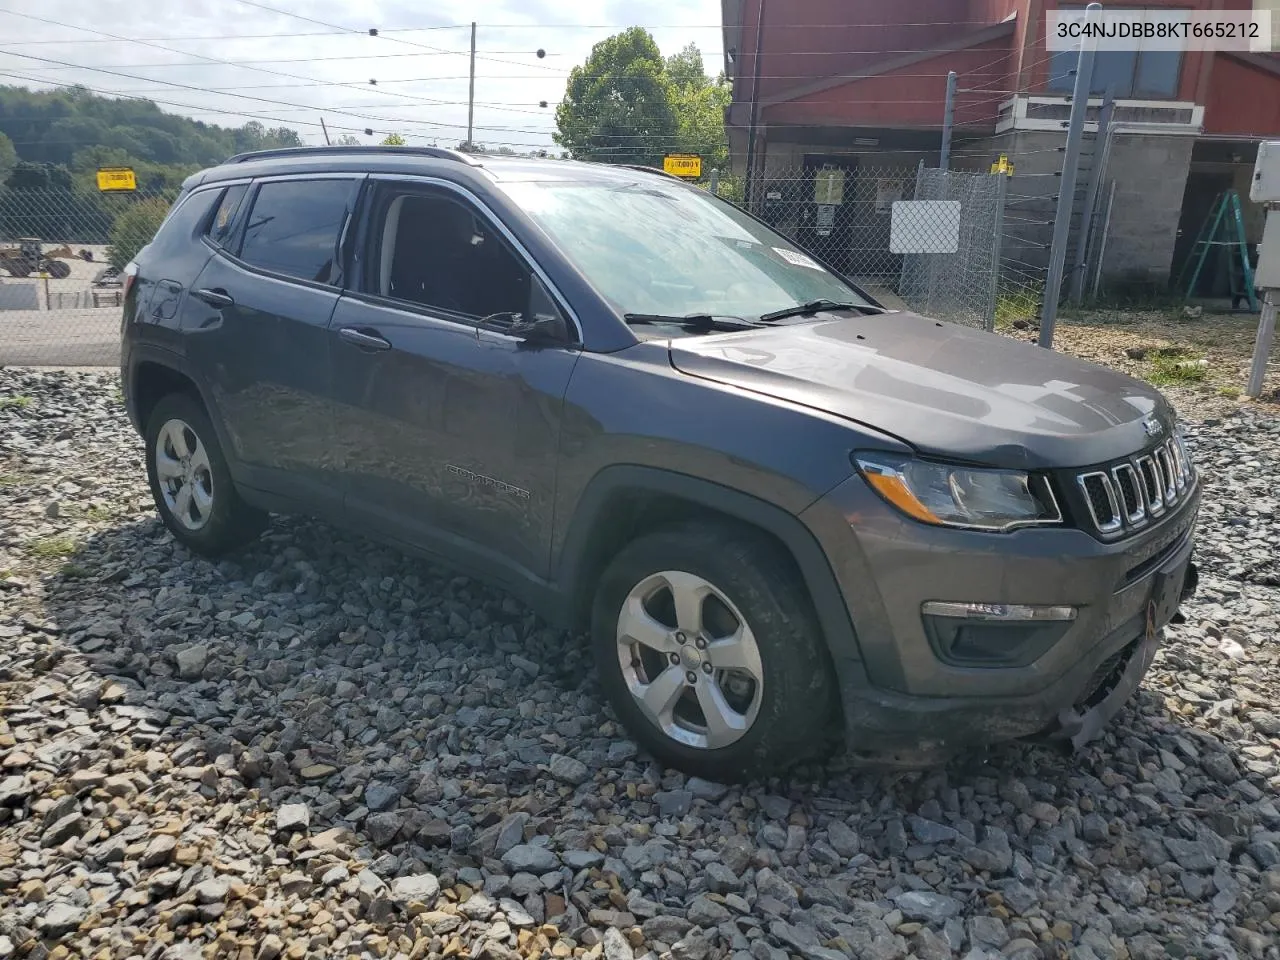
421 73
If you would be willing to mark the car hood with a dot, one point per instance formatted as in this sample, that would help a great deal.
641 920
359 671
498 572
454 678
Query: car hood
947 390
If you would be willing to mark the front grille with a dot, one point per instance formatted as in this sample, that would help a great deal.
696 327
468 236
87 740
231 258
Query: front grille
1131 493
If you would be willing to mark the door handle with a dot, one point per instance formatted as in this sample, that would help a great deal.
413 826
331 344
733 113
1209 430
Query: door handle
363 339
219 299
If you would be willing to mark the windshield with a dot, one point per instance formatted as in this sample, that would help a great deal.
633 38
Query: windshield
653 247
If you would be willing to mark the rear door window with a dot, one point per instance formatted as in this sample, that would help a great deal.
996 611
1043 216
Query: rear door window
294 227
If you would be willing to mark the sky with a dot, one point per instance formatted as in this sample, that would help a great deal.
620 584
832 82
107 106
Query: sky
296 61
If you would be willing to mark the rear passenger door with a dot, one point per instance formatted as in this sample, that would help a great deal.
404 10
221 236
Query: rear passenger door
256 328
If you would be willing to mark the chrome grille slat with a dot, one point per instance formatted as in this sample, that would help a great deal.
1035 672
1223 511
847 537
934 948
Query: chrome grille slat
1129 494
1101 483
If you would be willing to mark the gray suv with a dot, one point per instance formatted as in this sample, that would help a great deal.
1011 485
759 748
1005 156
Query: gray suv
783 514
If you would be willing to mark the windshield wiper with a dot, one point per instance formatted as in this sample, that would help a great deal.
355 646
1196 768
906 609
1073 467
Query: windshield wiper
814 306
701 321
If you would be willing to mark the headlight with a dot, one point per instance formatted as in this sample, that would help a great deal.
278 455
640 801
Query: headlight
954 496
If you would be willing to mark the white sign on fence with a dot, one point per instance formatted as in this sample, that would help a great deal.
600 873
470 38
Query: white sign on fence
924 226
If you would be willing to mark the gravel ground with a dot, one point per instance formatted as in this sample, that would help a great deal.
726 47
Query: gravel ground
323 748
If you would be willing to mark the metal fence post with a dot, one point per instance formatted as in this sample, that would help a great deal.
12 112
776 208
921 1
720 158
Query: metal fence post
1262 349
948 120
715 182
1067 187
1088 214
1002 189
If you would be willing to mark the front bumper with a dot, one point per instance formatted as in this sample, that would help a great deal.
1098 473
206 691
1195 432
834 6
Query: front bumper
900 697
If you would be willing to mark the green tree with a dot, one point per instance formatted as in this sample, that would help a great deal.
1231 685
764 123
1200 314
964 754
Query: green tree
700 112
347 140
134 228
617 106
685 68
8 158
393 140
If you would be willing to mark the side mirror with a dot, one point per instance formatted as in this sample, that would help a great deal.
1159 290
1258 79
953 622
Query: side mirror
539 329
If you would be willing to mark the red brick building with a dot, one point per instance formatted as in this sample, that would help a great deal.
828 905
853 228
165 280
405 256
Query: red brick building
850 84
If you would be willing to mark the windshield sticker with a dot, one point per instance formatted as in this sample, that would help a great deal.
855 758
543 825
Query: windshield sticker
799 259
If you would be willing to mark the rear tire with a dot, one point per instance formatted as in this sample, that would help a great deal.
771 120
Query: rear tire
190 482
709 651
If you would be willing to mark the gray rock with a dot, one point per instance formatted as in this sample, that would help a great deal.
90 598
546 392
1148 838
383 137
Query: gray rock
582 859
769 884
510 832
927 831
63 829
380 796
778 808
382 828
569 770
674 803
1191 854
478 907
927 907
191 661
665 928
423 887
705 912
293 816
988 932
720 879
213 890
60 918
1126 888
706 789
13 790
527 858
616 946
843 839
158 851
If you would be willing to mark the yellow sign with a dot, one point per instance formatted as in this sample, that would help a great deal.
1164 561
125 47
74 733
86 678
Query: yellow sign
683 165
828 186
116 178
1003 166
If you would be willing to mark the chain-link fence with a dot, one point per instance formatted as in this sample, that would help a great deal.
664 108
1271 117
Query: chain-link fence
920 238
60 253
915 237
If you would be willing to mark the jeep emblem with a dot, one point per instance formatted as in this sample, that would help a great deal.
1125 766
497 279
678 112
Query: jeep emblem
1152 427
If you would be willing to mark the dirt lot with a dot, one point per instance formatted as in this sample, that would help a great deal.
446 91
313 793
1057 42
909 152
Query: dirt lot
1201 363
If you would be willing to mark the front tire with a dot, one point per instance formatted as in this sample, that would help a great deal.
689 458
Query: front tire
709 651
190 482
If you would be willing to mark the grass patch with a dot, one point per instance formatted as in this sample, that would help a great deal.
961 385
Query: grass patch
52 547
73 571
11 480
94 512
1017 305
1173 367
1230 391
20 402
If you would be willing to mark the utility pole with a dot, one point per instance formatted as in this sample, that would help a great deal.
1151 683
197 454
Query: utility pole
755 112
471 96
325 130
1101 159
948 119
1067 187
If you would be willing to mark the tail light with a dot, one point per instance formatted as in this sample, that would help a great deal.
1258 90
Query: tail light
129 275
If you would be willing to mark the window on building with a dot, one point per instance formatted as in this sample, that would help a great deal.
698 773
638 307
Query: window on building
294 226
1134 74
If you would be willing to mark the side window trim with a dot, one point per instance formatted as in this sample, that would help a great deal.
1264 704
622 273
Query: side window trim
334 283
459 191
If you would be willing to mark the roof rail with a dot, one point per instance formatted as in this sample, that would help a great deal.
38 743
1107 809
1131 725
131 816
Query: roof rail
440 153
645 169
